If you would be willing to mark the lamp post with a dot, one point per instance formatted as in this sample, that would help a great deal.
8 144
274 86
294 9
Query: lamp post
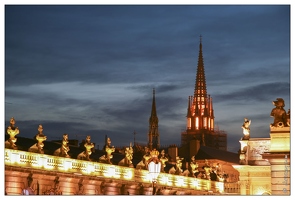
154 167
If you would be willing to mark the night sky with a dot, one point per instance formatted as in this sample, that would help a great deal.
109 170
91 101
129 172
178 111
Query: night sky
91 69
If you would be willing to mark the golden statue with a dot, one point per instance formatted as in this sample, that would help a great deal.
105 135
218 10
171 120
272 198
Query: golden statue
64 149
163 160
177 169
143 164
127 161
40 137
219 173
178 165
193 167
207 169
246 129
89 148
12 131
146 157
279 114
108 152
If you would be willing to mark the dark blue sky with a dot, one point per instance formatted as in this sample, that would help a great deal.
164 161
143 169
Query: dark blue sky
90 70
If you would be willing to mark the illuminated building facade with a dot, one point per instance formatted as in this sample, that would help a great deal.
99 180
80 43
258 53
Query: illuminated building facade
200 114
50 168
265 162
43 174
264 169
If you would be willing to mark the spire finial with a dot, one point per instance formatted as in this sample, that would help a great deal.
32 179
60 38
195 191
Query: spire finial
200 38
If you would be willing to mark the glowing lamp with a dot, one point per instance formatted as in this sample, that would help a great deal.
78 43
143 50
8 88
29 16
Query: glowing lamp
154 167
154 170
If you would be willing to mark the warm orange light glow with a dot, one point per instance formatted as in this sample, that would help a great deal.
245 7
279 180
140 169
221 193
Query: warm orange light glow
110 172
208 185
219 186
14 158
189 123
128 174
90 168
80 167
181 181
205 122
145 177
67 165
165 179
197 123
261 191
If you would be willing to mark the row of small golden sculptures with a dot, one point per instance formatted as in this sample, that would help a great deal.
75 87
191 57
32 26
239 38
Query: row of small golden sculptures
12 131
148 155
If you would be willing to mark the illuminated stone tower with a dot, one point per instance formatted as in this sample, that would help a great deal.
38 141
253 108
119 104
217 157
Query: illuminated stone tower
200 113
153 135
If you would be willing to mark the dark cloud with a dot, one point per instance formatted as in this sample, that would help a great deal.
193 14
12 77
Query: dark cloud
261 93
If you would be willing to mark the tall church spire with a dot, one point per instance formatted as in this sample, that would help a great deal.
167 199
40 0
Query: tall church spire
153 135
200 115
200 86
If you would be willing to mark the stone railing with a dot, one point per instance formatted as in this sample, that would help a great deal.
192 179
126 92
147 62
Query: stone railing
232 188
37 161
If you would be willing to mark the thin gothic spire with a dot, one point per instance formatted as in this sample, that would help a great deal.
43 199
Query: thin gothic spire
153 135
200 86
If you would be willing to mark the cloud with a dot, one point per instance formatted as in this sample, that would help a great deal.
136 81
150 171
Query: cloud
261 93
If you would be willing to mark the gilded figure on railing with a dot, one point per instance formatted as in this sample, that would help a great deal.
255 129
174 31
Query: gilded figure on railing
40 137
163 160
177 169
246 128
108 149
89 148
143 164
127 161
64 149
193 167
279 114
12 131
207 169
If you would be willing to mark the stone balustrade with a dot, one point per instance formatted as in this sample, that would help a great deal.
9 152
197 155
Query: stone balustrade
102 171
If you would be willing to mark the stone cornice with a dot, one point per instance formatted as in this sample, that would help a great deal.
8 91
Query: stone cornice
253 171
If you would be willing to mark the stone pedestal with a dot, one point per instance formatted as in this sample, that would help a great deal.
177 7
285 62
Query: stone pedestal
243 152
280 172
280 139
279 158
